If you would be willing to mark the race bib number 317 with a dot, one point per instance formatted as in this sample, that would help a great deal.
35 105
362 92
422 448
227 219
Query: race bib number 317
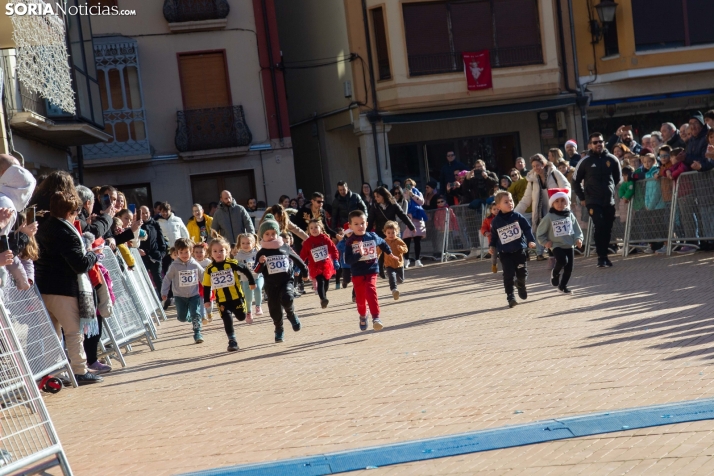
509 233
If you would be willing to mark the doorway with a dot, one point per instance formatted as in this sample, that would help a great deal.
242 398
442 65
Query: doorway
207 188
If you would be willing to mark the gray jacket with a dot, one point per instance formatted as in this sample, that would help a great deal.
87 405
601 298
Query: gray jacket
547 232
231 221
190 274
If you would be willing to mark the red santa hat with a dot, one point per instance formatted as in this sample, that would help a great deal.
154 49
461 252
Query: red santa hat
556 193
573 143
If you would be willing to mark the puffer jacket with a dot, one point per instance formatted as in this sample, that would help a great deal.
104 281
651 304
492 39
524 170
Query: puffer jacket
194 232
534 193
342 206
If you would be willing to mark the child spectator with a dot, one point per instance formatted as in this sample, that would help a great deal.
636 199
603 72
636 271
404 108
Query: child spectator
627 186
685 201
277 264
361 255
118 229
394 263
199 254
183 276
244 253
511 236
486 232
505 182
321 256
560 232
665 154
221 276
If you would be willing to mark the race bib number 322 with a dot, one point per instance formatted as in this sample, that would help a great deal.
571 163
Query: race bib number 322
277 264
223 279
509 233
562 227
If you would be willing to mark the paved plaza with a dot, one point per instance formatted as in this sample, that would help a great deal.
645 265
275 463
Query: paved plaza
452 358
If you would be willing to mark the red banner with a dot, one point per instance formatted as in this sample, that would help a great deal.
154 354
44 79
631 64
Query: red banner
477 66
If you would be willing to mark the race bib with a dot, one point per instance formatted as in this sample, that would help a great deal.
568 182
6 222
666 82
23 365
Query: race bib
509 233
370 250
223 279
320 253
562 227
188 278
277 264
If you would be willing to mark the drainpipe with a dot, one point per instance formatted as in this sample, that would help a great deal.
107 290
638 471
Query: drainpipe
583 100
273 79
373 115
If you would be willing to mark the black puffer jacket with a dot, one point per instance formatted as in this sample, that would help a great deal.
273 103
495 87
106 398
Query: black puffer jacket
61 259
379 216
479 186
342 206
155 245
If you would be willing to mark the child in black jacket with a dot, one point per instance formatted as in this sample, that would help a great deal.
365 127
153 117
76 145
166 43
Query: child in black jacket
277 262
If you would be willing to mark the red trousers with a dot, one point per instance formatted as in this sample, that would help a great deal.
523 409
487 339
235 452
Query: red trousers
366 293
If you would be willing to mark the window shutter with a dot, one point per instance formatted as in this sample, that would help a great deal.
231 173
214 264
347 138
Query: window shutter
203 80
380 43
472 26
426 28
516 23
658 23
700 14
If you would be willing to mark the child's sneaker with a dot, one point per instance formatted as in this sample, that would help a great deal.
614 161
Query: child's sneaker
258 311
197 337
418 264
407 263
512 301
337 285
210 317
232 345
363 323
249 318
280 336
324 303
565 290
494 268
377 324
395 294
554 278
295 322
522 291
204 321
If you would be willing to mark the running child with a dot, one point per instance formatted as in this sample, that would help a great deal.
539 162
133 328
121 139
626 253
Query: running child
361 255
183 277
560 232
277 264
244 252
394 263
321 255
486 232
221 276
200 255
511 237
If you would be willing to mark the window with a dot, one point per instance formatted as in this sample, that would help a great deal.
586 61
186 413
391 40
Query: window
138 194
380 43
612 47
672 23
207 188
437 33
204 80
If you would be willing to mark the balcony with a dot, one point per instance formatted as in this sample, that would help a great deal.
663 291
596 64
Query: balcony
212 128
421 65
196 15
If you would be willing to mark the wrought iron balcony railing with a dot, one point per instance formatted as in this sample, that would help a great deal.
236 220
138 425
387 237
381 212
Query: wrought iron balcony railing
195 10
212 128
420 65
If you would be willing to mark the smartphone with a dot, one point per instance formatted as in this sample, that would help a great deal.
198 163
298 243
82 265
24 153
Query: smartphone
4 244
30 215
132 208
106 202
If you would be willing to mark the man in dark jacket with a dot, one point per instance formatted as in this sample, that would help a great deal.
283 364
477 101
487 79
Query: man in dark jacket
102 223
601 172
345 202
697 143
153 248
671 136
447 171
478 186
624 136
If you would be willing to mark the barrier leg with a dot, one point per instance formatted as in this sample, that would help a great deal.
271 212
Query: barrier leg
628 230
588 238
672 218
72 378
115 348
149 342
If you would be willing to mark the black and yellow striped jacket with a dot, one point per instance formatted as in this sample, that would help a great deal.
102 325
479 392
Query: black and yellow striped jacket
217 274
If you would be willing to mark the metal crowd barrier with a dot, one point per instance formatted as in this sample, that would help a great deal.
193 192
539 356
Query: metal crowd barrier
28 441
146 287
692 217
464 235
36 332
126 324
619 226
648 216
129 276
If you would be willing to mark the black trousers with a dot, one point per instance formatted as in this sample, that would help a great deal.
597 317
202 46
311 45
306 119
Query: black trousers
346 276
228 310
323 285
603 217
395 275
417 247
165 263
280 296
514 268
91 343
563 262
154 270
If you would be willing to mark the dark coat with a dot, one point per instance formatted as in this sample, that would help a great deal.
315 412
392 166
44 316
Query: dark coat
478 186
61 259
447 172
342 206
697 147
155 244
99 227
676 141
601 173
379 216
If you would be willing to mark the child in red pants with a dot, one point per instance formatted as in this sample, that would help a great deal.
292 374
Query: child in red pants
361 255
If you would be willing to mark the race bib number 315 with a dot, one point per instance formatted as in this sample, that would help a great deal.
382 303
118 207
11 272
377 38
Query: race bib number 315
223 279
563 227
277 264
509 233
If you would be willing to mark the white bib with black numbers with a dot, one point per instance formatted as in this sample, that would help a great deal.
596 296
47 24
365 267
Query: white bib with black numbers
277 264
509 233
320 253
562 227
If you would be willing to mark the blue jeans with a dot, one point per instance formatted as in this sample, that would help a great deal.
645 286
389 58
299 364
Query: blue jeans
189 307
251 295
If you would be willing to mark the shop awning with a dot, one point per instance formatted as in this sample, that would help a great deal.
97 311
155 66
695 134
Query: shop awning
449 114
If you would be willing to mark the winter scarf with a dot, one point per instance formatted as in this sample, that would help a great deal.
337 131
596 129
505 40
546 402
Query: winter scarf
85 299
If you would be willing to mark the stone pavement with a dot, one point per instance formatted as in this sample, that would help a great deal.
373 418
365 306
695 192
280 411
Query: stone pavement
452 358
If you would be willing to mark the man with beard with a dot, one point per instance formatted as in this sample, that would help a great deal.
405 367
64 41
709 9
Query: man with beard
624 136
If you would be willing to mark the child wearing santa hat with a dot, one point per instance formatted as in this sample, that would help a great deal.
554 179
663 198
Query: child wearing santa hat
560 232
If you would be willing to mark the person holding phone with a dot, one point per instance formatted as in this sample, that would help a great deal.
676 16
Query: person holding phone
98 225
624 135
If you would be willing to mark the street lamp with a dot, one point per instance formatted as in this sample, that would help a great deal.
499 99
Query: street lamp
606 10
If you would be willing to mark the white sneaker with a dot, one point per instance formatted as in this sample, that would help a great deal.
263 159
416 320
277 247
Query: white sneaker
648 251
475 253
407 263
662 250
418 264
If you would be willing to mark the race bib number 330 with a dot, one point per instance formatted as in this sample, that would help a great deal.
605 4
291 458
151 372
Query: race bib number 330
509 233
277 264
223 279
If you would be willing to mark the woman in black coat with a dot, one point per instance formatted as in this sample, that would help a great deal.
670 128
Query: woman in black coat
384 208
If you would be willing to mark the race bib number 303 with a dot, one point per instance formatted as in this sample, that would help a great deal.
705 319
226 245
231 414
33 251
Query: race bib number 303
188 278
223 279
562 227
320 253
509 233
277 264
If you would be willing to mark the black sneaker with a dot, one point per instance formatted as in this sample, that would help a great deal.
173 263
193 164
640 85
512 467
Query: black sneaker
554 278
512 302
232 345
607 263
295 322
540 258
280 335
324 303
167 303
88 378
522 292
600 263
565 290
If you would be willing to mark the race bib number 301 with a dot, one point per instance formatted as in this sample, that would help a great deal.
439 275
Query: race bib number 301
562 227
188 278
277 264
223 279
509 233
370 250
320 253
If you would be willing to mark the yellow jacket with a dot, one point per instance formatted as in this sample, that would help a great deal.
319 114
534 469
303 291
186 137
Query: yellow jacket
194 232
126 254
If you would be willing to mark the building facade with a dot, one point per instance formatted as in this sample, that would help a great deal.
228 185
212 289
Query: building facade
377 88
193 102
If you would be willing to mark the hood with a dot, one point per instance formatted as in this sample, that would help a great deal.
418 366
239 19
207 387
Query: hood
188 263
17 184
223 205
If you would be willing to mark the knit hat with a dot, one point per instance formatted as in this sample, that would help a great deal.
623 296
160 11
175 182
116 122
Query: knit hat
432 183
506 177
698 116
573 143
269 223
646 150
556 193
